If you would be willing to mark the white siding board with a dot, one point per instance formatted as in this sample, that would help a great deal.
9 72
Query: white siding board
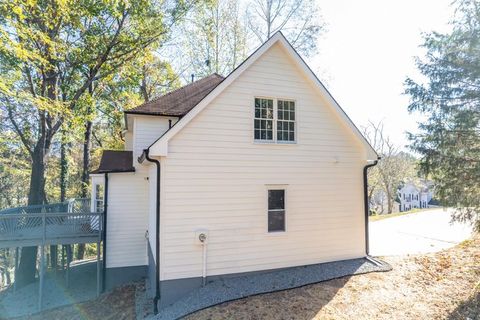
127 220
146 130
215 177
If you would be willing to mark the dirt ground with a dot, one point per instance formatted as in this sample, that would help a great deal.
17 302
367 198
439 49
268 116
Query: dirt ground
443 285
116 305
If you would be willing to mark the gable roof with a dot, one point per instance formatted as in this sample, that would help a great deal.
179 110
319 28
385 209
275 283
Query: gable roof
179 102
115 161
160 146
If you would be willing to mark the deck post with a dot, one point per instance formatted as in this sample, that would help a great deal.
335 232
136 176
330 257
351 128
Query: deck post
69 254
42 271
63 257
99 269
15 271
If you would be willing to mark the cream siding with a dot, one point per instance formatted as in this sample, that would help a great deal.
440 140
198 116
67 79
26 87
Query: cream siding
127 213
216 178
129 140
146 130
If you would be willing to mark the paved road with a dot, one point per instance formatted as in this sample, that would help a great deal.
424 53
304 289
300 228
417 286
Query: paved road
422 232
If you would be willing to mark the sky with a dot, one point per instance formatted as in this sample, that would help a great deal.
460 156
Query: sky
367 53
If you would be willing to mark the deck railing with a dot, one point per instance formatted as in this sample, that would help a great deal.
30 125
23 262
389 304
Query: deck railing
41 225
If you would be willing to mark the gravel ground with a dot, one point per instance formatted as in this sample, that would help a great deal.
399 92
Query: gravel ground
232 288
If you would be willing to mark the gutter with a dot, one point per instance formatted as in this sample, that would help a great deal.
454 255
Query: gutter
141 159
105 208
366 204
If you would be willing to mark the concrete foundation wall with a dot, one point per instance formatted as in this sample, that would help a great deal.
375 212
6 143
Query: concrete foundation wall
119 276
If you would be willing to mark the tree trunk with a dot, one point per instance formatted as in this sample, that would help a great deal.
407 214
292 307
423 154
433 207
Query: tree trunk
85 177
63 169
27 265
389 201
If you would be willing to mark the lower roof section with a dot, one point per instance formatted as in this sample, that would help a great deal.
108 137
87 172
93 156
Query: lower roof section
115 161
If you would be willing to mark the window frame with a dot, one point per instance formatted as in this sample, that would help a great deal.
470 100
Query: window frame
275 121
267 211
99 198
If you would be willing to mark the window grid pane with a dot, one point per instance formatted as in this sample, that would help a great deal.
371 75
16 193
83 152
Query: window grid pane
263 124
285 120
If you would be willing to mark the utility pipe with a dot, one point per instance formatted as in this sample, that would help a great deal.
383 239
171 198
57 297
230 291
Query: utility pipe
203 239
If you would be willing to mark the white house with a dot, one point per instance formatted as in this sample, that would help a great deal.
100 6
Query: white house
414 196
232 175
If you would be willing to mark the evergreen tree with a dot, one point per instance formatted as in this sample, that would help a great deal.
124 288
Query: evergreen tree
449 140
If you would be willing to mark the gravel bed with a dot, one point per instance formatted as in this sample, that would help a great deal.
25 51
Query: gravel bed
233 288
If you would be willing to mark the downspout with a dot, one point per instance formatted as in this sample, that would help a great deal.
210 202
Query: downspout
366 204
157 238
105 207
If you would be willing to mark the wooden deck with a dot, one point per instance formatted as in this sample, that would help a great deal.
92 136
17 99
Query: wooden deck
39 229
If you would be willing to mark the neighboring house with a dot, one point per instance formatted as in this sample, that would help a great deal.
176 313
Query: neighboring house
413 196
379 203
232 175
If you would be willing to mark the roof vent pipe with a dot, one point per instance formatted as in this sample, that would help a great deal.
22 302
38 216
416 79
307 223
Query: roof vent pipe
193 77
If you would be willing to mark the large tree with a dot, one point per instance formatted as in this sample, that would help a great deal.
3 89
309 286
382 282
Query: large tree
52 53
299 21
449 98
214 37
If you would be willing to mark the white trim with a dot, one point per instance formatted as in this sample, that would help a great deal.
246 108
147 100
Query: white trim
275 120
160 147
283 187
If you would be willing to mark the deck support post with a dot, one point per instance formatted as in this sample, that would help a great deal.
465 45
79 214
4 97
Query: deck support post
42 274
63 257
99 269
15 271
69 255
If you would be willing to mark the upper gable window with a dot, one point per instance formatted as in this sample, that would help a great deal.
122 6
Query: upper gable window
263 119
274 120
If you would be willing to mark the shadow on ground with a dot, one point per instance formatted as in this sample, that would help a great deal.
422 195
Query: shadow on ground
82 287
469 309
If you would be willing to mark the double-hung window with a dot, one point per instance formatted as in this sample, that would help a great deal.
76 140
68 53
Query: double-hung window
276 210
274 120
99 196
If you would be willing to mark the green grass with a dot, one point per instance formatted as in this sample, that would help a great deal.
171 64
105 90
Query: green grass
397 214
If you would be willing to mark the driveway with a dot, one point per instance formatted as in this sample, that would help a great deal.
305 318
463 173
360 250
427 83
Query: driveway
416 233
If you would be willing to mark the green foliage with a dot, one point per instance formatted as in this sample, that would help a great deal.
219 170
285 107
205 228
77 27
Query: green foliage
449 142
14 171
60 61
